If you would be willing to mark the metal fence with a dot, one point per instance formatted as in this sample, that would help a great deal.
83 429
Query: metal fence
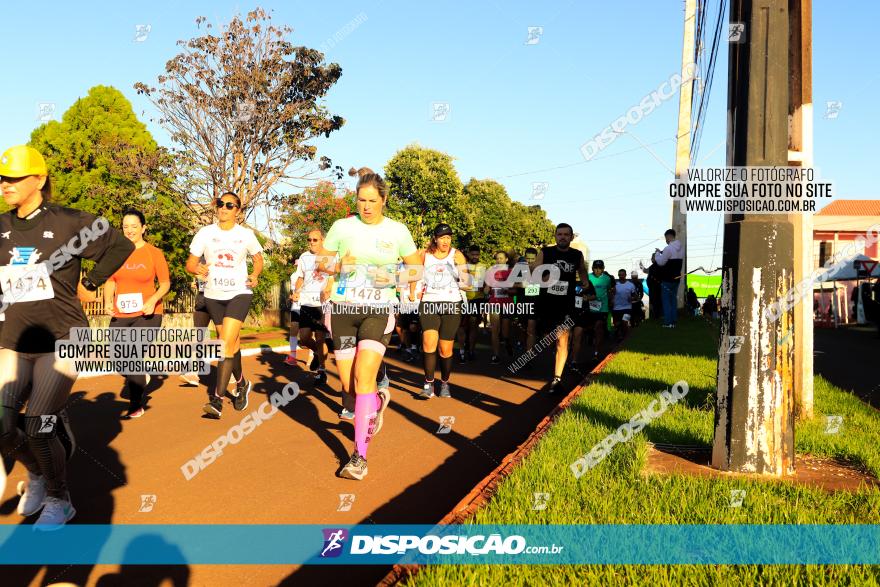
183 302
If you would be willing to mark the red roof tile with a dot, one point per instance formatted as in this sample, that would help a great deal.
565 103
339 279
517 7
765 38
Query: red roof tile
851 208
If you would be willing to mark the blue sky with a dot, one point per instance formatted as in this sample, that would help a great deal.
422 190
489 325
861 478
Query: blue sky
517 110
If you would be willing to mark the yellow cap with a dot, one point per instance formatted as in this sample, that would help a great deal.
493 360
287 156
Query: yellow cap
21 161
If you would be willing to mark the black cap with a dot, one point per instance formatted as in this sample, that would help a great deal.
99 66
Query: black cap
442 229
599 263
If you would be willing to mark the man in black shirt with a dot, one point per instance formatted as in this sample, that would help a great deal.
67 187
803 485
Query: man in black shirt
556 302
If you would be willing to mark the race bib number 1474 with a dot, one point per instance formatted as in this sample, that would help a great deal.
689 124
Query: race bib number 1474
26 283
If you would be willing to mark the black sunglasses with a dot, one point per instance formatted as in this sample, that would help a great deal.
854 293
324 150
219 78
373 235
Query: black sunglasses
314 240
229 205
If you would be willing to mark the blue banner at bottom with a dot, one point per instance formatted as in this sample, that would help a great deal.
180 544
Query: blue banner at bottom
426 544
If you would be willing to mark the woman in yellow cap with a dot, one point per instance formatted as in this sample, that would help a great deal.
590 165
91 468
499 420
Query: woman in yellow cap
41 245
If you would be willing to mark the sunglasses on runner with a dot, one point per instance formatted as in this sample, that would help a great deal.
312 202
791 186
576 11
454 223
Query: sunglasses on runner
228 205
314 240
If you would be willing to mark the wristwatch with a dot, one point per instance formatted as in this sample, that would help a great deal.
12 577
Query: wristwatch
88 284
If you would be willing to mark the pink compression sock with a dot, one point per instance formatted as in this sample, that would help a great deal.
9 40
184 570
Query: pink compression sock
365 407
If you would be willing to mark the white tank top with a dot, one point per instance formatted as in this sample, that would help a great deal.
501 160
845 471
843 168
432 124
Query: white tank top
441 279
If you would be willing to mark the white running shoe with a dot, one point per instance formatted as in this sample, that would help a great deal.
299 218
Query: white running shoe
56 513
427 390
346 414
190 379
33 496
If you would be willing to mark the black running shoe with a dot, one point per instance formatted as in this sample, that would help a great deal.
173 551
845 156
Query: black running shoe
214 407
240 401
315 363
555 385
495 360
320 377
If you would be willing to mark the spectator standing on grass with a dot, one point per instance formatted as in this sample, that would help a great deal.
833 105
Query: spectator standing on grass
693 303
655 307
638 308
670 260
710 308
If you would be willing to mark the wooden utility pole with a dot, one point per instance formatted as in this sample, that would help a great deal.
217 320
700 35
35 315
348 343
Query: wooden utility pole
800 152
683 137
754 417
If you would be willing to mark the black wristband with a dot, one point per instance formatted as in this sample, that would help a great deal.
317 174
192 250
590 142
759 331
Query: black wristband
88 284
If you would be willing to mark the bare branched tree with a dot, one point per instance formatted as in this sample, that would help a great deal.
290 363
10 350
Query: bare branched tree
244 109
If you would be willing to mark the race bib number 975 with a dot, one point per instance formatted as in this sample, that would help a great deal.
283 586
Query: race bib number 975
26 283
130 303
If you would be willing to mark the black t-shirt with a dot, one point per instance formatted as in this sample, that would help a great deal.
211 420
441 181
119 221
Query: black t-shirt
40 269
587 289
568 261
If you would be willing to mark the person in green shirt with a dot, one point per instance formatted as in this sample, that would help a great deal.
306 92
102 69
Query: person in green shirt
369 246
603 284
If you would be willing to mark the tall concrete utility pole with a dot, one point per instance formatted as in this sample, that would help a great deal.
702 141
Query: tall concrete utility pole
683 136
800 152
754 417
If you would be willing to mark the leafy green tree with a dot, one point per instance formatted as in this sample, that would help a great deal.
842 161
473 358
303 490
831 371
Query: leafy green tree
501 223
102 159
424 190
318 206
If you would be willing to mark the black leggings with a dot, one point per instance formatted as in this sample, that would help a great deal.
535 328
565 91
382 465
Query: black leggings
201 317
43 383
136 383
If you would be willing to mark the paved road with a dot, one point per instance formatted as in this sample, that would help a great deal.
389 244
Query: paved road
284 471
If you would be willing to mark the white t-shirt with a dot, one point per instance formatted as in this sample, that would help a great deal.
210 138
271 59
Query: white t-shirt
623 294
314 281
226 253
441 279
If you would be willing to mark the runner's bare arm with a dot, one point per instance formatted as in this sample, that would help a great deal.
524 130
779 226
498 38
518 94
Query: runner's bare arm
258 268
109 294
464 276
294 295
325 261
325 293
194 267
150 303
413 262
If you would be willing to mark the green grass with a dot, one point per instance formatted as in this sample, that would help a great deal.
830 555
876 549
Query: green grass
616 491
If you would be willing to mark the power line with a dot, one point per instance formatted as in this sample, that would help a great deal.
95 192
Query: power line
585 161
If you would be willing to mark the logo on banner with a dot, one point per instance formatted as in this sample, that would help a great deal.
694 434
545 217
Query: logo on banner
346 500
333 541
47 424
23 256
